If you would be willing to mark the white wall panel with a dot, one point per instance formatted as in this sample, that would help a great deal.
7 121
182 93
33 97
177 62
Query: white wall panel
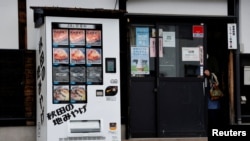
89 4
183 7
9 25
244 31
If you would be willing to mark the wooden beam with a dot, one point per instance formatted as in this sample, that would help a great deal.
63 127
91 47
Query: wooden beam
231 88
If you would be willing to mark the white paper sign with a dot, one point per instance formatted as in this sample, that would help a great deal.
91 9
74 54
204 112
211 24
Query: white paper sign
190 54
232 36
168 39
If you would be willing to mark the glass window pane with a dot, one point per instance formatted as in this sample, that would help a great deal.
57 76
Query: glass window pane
142 51
180 51
167 51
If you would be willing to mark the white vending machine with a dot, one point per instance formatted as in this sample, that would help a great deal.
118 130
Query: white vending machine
78 80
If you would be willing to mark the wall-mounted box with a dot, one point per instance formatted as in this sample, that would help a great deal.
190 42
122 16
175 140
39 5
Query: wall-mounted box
246 75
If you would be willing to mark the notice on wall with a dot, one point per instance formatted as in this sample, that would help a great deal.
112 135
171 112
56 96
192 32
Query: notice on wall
231 34
160 47
139 60
142 37
198 31
168 39
201 55
190 54
153 47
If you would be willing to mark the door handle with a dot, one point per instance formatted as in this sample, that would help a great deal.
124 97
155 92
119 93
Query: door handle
155 90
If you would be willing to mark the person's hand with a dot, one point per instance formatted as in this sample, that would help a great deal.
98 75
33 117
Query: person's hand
215 84
199 76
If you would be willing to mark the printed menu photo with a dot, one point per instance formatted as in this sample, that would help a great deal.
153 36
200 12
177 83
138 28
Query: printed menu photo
77 74
93 37
60 74
94 75
78 93
77 55
94 56
60 94
77 37
61 55
60 37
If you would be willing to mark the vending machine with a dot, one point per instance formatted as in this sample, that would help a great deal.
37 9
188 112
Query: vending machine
78 79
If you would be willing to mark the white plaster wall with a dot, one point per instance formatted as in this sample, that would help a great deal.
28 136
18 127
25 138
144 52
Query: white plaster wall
244 31
89 4
27 133
9 25
9 40
183 7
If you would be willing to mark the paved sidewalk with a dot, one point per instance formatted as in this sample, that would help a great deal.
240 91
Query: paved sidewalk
170 139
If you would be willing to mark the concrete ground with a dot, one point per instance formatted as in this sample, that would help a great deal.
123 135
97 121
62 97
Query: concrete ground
171 139
162 139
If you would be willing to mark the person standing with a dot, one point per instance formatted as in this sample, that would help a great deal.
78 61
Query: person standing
214 106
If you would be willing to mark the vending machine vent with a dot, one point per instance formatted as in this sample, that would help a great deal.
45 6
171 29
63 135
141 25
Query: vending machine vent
85 138
85 126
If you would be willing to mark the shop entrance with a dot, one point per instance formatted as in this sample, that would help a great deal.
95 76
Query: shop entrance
218 62
166 96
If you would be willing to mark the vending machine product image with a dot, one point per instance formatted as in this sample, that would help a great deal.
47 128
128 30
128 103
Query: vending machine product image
78 85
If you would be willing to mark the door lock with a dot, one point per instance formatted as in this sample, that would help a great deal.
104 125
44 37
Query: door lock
155 90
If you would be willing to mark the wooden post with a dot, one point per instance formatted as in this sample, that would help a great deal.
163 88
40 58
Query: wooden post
231 88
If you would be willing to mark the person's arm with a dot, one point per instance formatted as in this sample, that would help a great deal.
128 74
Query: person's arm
215 79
